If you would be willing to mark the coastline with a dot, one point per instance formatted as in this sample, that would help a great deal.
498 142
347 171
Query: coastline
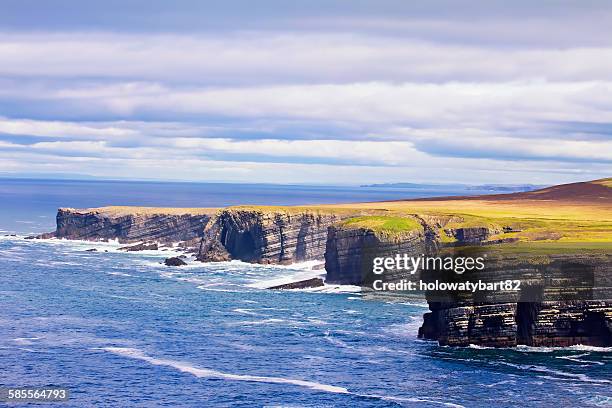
347 237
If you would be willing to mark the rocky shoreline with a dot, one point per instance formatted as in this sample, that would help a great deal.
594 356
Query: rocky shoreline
571 305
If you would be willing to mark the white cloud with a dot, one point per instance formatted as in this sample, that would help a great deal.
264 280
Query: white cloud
490 106
334 105
60 129
273 57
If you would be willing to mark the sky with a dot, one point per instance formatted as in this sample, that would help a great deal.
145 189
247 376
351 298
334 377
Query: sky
315 92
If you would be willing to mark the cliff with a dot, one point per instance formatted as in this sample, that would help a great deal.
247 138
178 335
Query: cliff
557 241
351 251
253 235
564 300
272 236
130 225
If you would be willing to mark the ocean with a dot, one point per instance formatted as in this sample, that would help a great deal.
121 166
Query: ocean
120 329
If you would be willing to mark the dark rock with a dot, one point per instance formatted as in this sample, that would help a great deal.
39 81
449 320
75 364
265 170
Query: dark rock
564 301
46 235
140 247
174 261
308 283
350 253
470 235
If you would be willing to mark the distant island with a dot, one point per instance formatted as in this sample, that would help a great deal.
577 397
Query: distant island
557 240
508 188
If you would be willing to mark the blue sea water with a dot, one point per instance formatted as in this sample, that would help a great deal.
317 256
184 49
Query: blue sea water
120 329
30 205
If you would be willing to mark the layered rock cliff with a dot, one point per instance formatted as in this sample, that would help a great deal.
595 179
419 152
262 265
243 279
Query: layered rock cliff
259 236
251 235
351 251
126 227
563 300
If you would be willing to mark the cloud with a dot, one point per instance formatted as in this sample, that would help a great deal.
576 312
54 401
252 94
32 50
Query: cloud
396 92
281 57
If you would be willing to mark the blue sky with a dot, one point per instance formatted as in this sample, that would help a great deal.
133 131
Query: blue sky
307 92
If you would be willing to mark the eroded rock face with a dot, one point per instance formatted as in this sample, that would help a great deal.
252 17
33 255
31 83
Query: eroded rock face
100 226
266 237
550 324
562 302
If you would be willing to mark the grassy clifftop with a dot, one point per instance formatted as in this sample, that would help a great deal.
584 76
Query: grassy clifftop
389 226
575 215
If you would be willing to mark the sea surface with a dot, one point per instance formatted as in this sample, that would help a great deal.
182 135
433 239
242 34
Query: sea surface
121 330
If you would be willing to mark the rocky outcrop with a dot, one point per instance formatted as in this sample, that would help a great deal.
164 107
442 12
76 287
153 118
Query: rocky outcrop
303 284
144 246
266 236
174 261
104 225
563 300
470 235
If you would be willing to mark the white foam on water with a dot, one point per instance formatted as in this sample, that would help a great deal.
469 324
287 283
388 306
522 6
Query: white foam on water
545 370
478 347
578 347
495 384
576 359
412 399
581 347
119 274
407 329
415 304
327 288
204 287
258 322
25 341
208 373
249 312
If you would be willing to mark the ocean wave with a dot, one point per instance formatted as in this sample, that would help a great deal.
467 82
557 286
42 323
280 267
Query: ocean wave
406 329
25 341
540 349
249 312
336 341
545 370
424 304
209 373
258 322
206 288
576 359
329 288
119 274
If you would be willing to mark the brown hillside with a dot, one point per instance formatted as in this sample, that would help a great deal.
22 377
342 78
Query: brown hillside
595 192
